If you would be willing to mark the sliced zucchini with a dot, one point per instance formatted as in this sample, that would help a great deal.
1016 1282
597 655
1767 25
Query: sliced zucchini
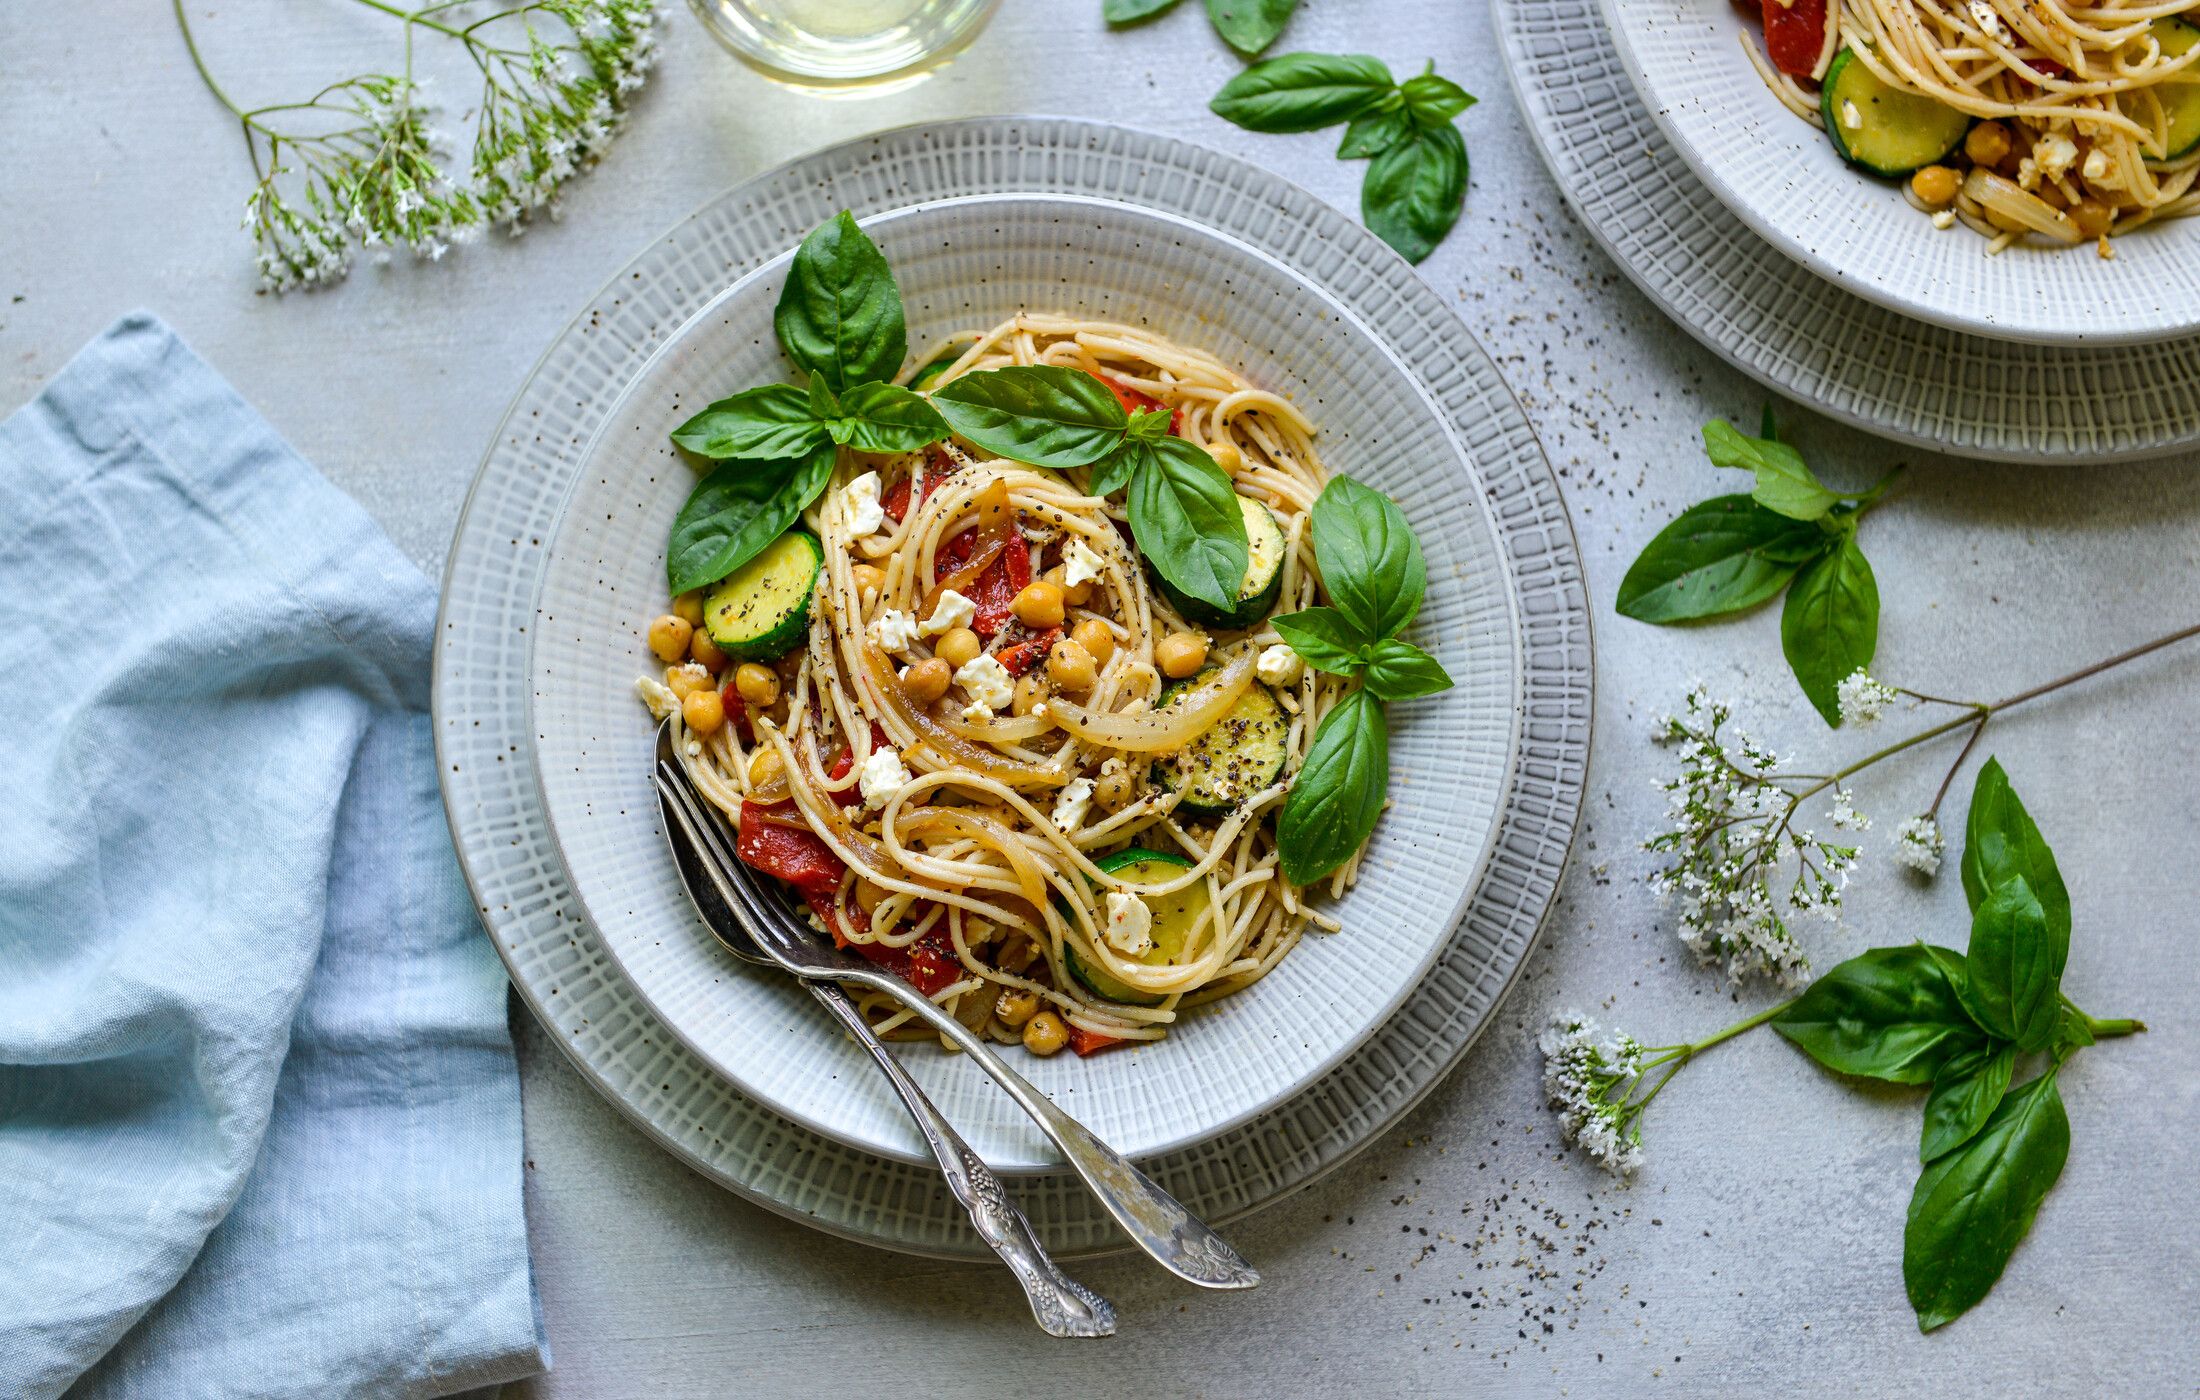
1263 575
1884 129
1239 755
2180 96
925 380
762 610
1173 918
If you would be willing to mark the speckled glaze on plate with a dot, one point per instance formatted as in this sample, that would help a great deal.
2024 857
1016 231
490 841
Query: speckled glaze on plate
557 957
962 264
1775 320
1784 179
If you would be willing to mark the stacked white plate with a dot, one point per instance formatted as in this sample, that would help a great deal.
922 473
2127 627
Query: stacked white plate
1746 227
558 561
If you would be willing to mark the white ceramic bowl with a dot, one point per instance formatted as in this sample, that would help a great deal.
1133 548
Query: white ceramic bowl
970 262
1783 178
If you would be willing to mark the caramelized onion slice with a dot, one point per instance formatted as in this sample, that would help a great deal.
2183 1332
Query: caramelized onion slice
1999 195
995 522
1170 727
949 748
962 822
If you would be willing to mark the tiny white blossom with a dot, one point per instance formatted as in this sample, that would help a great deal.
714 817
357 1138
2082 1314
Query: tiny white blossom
1580 1075
1863 698
1845 815
1918 844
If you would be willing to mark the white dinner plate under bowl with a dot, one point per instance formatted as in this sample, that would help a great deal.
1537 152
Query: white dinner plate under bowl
1783 178
969 263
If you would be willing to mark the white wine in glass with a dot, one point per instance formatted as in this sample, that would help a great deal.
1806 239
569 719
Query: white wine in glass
843 43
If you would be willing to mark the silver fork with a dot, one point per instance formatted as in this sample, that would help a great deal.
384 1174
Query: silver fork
1061 1305
1155 1221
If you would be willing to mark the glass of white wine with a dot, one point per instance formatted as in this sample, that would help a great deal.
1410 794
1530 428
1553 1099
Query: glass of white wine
844 43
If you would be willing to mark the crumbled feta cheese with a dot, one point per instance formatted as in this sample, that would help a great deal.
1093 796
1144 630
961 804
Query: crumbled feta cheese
1130 925
1988 21
2055 154
984 679
1080 564
1277 665
894 630
2096 165
859 503
883 775
977 712
657 695
952 611
1850 117
1946 218
1071 806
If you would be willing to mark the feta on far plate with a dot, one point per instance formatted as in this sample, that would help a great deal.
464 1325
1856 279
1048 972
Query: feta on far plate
985 680
952 611
883 775
1130 925
894 630
1071 806
860 504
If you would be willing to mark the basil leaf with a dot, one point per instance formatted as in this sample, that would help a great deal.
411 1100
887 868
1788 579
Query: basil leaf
1972 1207
1338 792
1325 639
1148 425
1114 471
887 418
824 403
1371 563
1373 133
1999 840
1785 482
1414 191
1131 11
1043 415
774 421
840 316
1399 670
1432 100
2015 967
1965 1091
1303 91
737 510
1184 515
1891 1013
1830 624
1250 25
2072 1031
1720 556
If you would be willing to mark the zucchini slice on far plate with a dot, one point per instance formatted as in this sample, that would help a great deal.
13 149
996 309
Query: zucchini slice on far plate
1240 753
1884 129
2181 96
762 609
1173 918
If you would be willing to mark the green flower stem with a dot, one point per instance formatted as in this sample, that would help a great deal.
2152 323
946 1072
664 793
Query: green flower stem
412 18
1674 1056
2121 1025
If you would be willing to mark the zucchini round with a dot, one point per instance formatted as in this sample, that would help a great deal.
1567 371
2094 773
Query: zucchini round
762 610
925 380
1173 918
1263 575
1884 129
1240 754
2180 99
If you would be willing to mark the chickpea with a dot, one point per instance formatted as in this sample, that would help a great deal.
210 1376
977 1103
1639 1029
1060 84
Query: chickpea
688 607
958 648
1093 635
1039 605
757 685
1115 791
703 711
1030 690
706 652
1071 667
1179 654
1044 1034
1226 456
1074 594
1987 143
766 770
927 680
2092 217
1936 185
869 580
1014 1008
684 680
668 637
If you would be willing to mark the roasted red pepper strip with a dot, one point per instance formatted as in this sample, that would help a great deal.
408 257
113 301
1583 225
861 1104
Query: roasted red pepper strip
997 587
852 796
791 853
1795 36
1026 654
737 713
1135 402
937 466
1086 1042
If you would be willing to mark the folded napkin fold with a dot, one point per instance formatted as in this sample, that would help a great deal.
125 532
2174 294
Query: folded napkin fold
259 1118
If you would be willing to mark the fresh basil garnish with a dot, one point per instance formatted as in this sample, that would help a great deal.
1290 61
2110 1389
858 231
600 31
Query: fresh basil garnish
1432 100
885 418
1973 1206
2000 841
1184 515
1132 11
840 315
772 421
1829 626
1373 133
1785 482
1250 25
1399 670
1892 1014
1371 563
1414 191
739 509
1325 639
1043 415
1304 91
1721 556
1965 1090
2015 968
1338 792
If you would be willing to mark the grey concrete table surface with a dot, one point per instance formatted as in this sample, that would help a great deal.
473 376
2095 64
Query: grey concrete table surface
1758 1251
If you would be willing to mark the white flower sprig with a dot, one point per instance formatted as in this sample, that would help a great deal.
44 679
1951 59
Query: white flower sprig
1595 1082
360 164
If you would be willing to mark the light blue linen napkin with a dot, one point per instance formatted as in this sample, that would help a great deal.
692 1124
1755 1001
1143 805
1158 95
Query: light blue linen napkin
259 1118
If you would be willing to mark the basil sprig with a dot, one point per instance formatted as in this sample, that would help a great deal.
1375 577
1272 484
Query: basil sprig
1416 180
839 318
1246 25
1183 509
1958 1022
1732 553
1371 566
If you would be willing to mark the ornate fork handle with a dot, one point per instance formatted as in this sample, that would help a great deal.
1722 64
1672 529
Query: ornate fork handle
1062 1306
